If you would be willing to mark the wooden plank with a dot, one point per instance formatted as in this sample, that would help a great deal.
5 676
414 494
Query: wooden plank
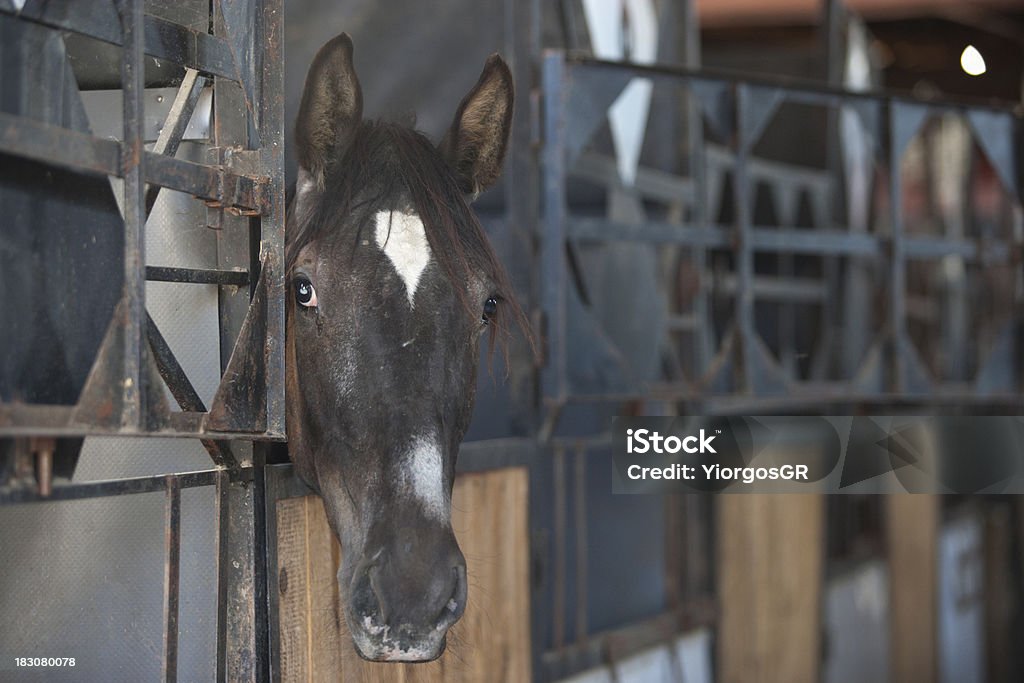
912 529
770 585
999 593
490 643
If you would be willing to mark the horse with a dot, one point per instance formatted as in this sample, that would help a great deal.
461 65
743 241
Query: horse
392 283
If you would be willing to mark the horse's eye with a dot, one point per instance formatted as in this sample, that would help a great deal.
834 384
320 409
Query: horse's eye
490 308
305 295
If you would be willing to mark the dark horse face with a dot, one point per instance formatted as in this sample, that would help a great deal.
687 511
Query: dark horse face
392 283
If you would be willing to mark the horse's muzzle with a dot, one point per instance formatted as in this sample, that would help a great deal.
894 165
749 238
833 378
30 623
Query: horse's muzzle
401 616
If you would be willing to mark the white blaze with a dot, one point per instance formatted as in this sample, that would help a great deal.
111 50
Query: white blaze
423 472
402 239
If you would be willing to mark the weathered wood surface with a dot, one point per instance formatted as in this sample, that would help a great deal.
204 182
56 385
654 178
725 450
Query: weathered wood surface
490 643
770 564
912 523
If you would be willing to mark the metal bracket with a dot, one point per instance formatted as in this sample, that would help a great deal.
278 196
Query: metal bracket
233 164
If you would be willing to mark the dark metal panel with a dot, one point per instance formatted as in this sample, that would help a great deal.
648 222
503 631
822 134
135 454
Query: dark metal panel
163 39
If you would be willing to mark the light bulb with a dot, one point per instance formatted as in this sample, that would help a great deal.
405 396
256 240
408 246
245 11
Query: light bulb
972 62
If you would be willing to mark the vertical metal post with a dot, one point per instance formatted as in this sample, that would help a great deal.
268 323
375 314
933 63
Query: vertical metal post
581 521
171 577
744 252
897 260
230 129
237 573
132 159
552 239
522 48
561 512
223 558
261 625
703 334
833 52
272 222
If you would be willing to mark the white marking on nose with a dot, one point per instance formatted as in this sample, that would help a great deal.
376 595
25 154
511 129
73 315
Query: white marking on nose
423 471
401 237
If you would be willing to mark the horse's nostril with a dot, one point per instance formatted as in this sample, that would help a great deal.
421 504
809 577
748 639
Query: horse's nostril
366 596
456 604
378 593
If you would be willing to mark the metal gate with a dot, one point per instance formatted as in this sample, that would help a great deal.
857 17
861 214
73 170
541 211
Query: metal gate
120 369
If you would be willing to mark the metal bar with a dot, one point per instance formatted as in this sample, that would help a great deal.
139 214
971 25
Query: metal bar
163 39
774 288
171 371
27 419
744 250
223 546
261 570
202 276
834 241
650 182
270 112
704 342
177 120
134 211
118 487
769 170
897 288
180 114
558 606
240 584
816 242
81 152
811 92
183 391
232 114
604 229
172 574
581 522
552 248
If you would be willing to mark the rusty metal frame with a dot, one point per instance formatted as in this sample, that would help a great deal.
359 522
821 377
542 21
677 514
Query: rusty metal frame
241 59
245 182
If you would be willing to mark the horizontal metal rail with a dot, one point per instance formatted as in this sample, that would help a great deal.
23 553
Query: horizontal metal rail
201 276
122 487
30 419
163 39
822 242
796 89
80 152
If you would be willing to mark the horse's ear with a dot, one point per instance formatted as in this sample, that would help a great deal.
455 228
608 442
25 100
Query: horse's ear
475 144
332 106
